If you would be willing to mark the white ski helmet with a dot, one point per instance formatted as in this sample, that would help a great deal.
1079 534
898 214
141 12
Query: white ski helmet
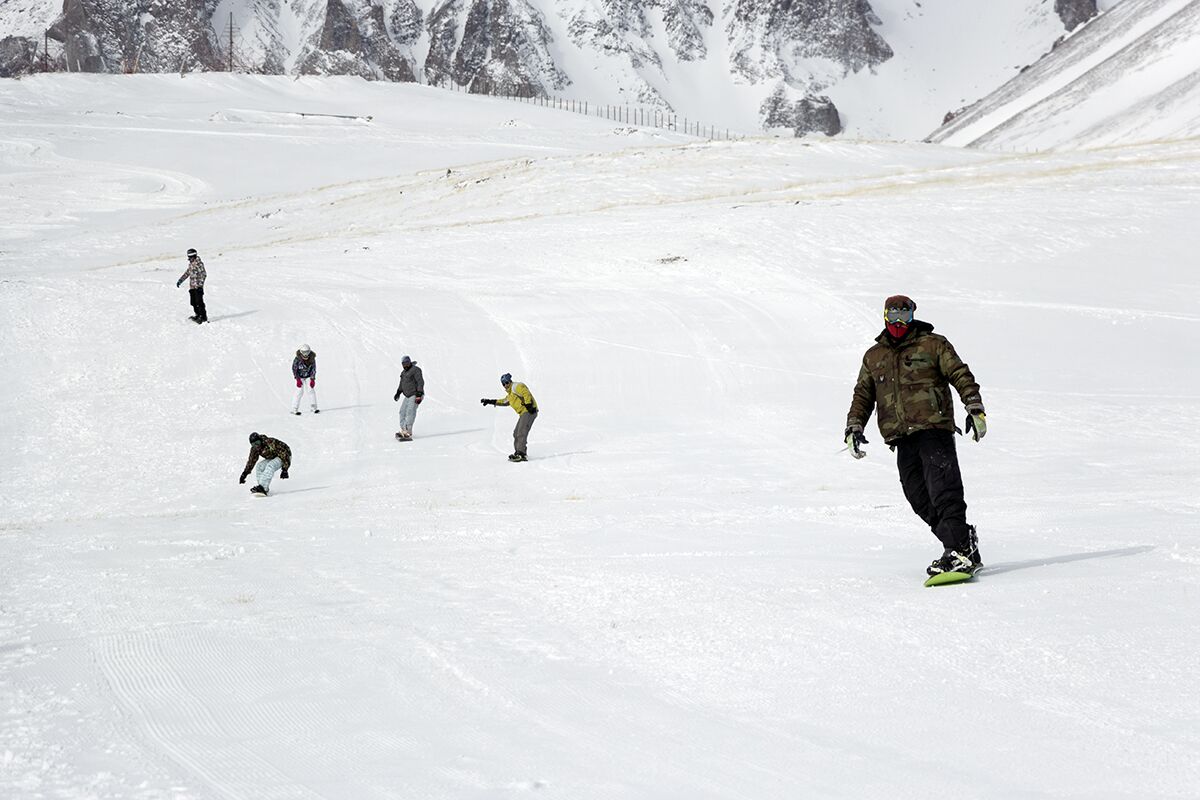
304 349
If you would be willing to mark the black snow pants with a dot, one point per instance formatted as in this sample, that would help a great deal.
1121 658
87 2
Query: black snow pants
928 465
197 297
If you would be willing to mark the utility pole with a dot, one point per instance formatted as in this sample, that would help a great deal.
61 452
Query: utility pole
231 41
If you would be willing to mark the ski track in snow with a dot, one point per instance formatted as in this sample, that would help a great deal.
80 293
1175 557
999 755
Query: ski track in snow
688 591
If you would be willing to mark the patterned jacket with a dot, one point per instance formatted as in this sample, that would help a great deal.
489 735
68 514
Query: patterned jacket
909 382
305 367
268 448
194 273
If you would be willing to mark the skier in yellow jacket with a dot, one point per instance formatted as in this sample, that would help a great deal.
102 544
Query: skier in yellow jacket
519 399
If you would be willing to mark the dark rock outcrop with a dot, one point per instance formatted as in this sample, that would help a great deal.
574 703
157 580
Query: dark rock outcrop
18 56
1074 13
806 115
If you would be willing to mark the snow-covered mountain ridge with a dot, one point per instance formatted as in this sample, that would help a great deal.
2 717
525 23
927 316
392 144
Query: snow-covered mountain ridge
744 64
1131 75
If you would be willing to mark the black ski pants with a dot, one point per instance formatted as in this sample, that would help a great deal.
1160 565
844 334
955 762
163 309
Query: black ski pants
928 465
197 297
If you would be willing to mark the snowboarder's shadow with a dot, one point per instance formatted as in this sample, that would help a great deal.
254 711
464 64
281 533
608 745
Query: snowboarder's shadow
233 316
451 433
562 455
1010 566
298 491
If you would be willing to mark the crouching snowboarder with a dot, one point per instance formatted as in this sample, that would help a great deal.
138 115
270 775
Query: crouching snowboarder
275 456
412 387
907 375
520 399
195 275
304 370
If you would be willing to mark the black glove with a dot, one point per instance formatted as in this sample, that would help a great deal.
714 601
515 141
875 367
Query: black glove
397 397
854 438
243 478
532 410
487 402
284 475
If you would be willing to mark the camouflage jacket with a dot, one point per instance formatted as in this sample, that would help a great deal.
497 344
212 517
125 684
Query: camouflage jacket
909 381
267 448
194 273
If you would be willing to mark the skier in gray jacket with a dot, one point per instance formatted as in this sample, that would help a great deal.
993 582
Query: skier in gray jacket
412 387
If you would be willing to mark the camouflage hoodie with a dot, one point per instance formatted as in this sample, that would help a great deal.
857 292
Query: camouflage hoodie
909 380
267 448
194 273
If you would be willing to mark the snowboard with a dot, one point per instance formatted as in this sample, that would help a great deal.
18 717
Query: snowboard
945 578
400 438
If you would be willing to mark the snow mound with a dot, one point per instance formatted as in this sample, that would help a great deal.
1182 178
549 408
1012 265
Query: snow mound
1132 75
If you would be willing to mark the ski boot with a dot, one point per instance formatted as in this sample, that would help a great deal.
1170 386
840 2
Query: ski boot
258 490
952 561
296 413
515 457
316 411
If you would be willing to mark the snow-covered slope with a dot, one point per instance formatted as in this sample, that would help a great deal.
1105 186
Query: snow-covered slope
892 67
688 592
947 53
1130 75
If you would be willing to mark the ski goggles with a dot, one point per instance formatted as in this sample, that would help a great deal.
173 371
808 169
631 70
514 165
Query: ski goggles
898 316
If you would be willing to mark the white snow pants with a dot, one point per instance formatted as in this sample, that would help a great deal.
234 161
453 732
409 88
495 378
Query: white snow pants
408 413
266 470
300 393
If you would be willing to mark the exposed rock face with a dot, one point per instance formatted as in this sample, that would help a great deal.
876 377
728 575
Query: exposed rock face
809 44
806 115
18 55
1074 13
504 48
144 35
360 45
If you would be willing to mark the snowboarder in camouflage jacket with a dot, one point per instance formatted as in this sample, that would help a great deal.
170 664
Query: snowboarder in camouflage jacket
275 456
195 275
906 376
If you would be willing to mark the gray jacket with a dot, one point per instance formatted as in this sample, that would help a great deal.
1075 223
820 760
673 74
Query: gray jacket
412 382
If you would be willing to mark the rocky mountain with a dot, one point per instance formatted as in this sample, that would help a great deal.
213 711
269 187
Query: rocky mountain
740 63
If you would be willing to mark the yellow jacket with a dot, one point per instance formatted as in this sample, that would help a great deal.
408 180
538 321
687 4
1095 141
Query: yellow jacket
520 398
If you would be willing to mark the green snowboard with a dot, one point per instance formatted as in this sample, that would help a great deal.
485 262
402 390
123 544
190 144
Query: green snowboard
943 578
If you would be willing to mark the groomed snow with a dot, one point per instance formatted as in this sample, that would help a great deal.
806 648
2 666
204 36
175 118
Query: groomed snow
688 592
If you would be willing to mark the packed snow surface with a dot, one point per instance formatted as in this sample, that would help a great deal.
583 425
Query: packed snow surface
689 591
1131 75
